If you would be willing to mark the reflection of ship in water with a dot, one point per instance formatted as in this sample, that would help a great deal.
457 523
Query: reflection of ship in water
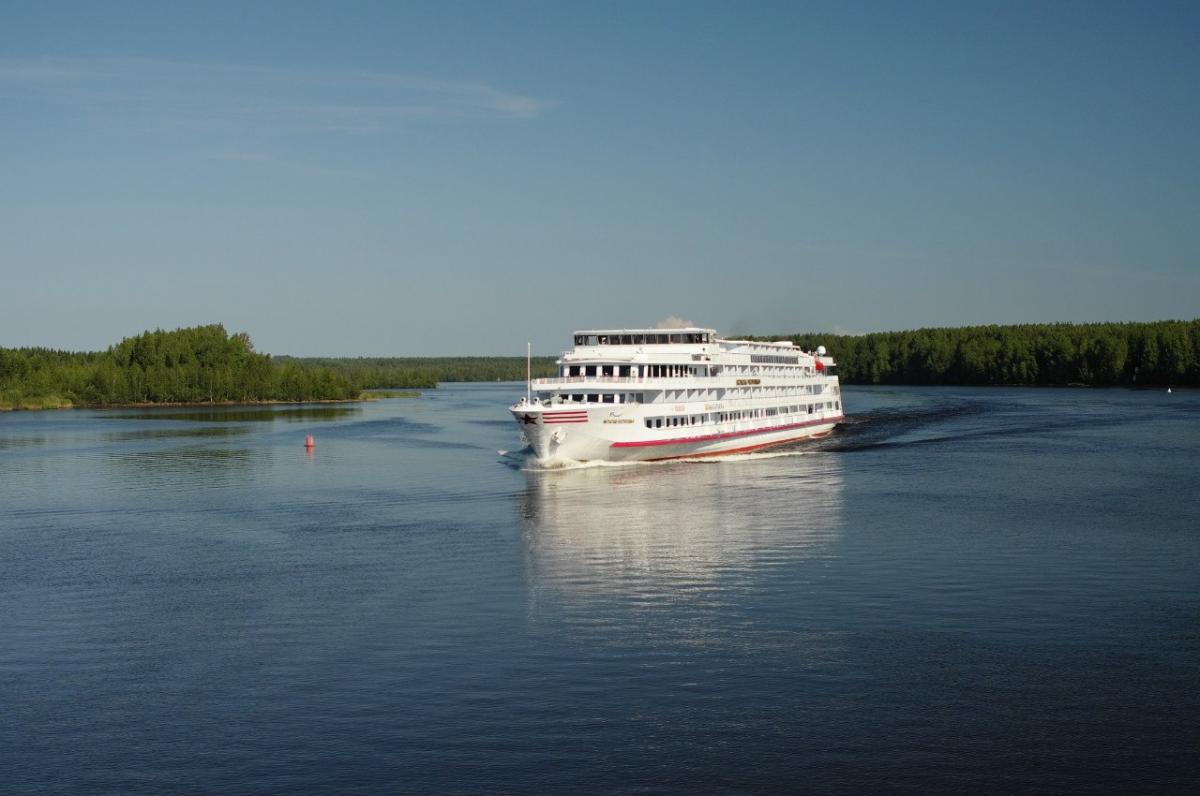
668 532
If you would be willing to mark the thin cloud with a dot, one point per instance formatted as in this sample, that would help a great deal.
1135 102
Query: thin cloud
270 97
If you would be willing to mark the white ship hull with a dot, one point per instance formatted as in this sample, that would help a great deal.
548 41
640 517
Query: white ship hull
573 441
645 395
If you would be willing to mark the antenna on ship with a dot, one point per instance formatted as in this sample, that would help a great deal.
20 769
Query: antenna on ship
528 372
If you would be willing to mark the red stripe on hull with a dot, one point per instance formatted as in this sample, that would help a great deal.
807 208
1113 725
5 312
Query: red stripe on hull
746 449
727 435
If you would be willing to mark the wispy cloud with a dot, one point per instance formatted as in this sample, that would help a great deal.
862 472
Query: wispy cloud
248 109
282 94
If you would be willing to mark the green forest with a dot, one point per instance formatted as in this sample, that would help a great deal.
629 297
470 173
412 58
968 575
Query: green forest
202 364
425 372
1157 354
205 364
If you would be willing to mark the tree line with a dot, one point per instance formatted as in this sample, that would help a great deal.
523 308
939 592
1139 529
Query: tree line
201 364
426 372
1156 354
206 364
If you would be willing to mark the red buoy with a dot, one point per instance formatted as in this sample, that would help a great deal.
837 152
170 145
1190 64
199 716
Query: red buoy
308 442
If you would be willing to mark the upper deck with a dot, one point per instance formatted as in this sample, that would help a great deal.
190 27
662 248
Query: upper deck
644 337
664 357
673 346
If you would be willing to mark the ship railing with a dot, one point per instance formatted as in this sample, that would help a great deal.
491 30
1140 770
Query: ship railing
618 379
592 380
723 380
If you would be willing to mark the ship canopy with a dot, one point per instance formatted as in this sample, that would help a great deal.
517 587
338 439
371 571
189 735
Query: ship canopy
688 336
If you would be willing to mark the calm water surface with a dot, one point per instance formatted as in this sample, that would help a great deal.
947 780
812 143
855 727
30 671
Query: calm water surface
962 590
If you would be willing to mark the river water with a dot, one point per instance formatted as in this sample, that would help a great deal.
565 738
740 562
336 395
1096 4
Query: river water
961 590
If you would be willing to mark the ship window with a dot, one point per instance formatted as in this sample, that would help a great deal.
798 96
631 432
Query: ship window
579 339
626 339
575 370
649 423
639 339
594 397
658 422
589 370
608 398
623 370
606 370
577 397
603 339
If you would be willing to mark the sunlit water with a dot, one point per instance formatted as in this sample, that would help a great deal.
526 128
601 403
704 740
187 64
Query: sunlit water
963 590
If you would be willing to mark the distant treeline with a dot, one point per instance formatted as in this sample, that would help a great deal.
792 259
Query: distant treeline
195 365
425 372
206 364
1158 354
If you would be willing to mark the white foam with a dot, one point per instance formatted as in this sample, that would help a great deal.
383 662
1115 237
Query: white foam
525 460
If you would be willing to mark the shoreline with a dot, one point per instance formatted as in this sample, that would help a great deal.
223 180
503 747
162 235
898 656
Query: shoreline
366 398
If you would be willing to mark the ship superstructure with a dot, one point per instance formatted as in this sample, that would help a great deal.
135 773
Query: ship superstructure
646 394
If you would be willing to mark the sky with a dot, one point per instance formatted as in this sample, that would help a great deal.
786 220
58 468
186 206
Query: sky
398 178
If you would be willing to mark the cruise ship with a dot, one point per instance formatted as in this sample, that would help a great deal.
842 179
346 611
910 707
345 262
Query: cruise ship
650 394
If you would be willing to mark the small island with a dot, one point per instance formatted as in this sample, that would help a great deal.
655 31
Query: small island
201 364
207 365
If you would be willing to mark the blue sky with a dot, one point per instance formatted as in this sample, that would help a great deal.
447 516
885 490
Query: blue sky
454 178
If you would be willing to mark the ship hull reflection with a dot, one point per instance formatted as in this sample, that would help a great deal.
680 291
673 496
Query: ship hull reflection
664 533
